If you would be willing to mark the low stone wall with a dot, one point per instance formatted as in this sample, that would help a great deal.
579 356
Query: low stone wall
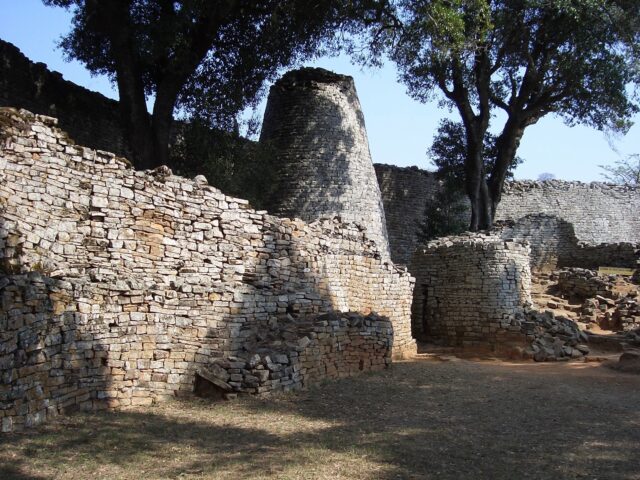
330 346
470 290
474 290
119 285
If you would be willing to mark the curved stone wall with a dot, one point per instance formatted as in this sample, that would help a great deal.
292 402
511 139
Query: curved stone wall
598 212
314 121
118 286
470 290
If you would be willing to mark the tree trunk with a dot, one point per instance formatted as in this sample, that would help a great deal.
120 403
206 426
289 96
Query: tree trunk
476 183
112 19
507 146
136 120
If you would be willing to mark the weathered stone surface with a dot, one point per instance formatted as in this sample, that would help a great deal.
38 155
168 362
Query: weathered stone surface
119 285
475 290
314 121
470 289
569 224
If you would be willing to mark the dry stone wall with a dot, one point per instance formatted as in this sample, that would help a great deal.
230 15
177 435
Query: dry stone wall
90 118
554 244
598 212
566 223
118 286
470 290
406 192
314 121
474 290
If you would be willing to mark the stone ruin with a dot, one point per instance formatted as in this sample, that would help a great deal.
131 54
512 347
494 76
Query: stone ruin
608 301
314 121
568 224
470 289
122 287
312 114
474 291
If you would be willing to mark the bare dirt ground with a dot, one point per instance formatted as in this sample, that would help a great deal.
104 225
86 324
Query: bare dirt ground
421 419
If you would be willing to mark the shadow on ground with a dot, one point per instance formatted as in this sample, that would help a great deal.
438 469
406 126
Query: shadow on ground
418 420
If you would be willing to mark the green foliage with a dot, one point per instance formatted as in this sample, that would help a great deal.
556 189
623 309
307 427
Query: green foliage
235 165
447 211
625 171
571 57
449 149
198 57
529 58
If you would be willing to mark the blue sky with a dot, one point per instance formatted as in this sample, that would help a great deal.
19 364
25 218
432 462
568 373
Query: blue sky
400 129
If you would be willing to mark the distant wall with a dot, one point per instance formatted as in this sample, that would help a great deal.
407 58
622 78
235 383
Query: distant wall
117 286
554 244
90 118
405 194
598 212
565 221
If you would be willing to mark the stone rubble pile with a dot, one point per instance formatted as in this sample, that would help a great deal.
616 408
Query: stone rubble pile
553 337
623 315
603 304
584 283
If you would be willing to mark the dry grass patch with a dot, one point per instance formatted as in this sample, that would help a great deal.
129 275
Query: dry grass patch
418 420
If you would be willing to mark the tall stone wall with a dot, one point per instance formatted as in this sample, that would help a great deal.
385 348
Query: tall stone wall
118 286
565 221
406 192
90 118
554 244
598 212
470 290
314 121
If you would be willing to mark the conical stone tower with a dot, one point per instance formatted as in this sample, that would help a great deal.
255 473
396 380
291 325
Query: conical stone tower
314 121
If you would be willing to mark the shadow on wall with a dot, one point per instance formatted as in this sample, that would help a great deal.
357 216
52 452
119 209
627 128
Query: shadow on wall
51 361
314 123
312 157
295 317
144 277
470 294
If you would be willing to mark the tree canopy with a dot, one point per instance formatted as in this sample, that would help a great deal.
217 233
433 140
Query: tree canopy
204 58
625 171
527 58
449 149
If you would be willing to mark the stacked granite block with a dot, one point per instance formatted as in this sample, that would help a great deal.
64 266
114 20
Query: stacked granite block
117 285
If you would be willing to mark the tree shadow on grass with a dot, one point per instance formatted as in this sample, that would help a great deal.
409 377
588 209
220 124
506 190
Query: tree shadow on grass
417 420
